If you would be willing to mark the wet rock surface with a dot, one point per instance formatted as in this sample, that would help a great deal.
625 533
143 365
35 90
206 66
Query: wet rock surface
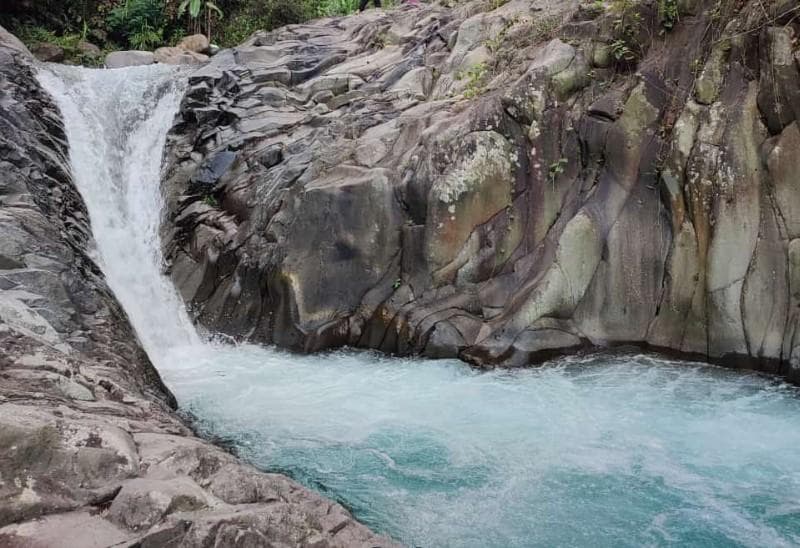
92 453
498 183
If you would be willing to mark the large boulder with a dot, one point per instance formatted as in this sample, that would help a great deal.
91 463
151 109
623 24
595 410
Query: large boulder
178 56
89 50
45 51
11 42
198 43
132 58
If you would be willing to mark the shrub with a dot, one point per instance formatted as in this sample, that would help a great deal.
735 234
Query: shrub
244 18
327 8
32 34
476 77
140 23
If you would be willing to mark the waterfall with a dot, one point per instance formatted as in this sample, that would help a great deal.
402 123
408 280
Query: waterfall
116 123
606 450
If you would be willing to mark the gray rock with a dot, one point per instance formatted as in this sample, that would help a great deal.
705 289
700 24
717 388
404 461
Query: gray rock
119 59
513 201
142 503
11 42
213 168
178 56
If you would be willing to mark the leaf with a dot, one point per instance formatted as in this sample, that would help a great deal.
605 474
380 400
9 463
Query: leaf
213 7
194 8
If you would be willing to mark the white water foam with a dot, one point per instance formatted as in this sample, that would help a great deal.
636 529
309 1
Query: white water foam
116 123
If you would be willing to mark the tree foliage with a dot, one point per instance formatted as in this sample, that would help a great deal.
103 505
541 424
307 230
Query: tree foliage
147 24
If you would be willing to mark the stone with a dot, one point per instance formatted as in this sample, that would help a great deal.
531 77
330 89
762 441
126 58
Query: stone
213 168
119 59
709 82
89 50
197 43
178 56
50 53
13 43
783 163
602 56
83 528
142 503
779 85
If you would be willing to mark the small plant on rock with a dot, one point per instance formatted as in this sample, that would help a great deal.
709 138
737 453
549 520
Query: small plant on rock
476 80
556 169
621 51
668 14
627 26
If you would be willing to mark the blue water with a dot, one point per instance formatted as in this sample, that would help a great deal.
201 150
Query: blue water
605 450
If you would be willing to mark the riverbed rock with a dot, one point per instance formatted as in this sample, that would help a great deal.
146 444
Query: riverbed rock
198 43
92 453
178 56
89 50
132 58
493 182
50 53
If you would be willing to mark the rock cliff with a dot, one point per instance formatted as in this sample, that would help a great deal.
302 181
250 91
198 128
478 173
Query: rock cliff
91 450
500 182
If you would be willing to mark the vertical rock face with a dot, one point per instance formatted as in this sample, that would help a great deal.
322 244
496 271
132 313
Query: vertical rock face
91 452
499 183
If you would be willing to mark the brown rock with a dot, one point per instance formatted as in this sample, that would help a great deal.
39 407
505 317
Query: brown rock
49 53
88 49
196 43
178 56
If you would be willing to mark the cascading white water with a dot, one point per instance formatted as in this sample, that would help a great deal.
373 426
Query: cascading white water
608 451
116 123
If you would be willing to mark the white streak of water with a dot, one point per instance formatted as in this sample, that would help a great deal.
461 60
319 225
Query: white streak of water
116 123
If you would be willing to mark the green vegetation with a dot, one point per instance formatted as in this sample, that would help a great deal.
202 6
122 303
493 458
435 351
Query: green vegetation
476 77
627 28
139 23
69 42
556 169
148 24
668 14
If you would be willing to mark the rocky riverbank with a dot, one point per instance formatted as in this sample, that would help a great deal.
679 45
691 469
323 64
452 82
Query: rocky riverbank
500 182
495 181
92 452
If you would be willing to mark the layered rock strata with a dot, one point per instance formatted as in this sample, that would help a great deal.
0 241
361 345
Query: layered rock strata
500 182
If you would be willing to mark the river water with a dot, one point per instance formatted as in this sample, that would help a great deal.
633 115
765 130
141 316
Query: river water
600 450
